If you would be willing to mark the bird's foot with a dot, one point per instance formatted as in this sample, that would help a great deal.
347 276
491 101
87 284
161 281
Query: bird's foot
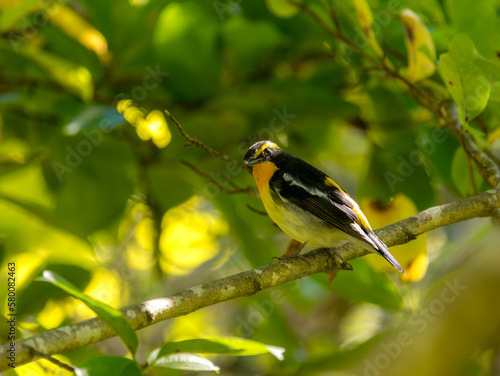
339 262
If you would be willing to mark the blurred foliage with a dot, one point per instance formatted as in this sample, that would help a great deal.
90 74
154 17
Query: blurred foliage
92 186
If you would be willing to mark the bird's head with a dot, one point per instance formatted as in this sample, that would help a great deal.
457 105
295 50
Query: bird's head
261 151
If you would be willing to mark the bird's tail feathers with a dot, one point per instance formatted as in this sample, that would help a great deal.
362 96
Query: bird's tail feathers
383 251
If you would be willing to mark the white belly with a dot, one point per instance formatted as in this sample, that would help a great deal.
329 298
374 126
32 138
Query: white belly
306 227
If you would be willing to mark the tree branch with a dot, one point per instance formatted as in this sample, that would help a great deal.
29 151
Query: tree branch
201 145
246 283
487 167
236 189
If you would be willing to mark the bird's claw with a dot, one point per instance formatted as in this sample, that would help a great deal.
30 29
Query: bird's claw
339 262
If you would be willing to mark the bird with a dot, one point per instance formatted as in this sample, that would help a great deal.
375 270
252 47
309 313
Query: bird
307 204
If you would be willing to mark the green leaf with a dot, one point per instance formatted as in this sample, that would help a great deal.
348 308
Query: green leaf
9 16
439 145
79 166
181 44
490 68
99 117
74 77
111 365
391 112
398 166
338 359
366 285
460 173
35 192
462 47
479 20
246 225
33 297
166 194
221 345
249 42
467 84
102 192
109 315
186 362
282 8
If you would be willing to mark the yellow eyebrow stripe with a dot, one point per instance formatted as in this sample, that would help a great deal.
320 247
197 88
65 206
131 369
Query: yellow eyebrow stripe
259 151
263 147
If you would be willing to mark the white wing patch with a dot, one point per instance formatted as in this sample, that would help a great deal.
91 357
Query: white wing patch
311 190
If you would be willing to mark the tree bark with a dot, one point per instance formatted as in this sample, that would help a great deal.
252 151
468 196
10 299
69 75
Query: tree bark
247 283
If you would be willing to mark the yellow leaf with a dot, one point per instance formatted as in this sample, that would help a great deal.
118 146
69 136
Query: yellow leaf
107 287
417 268
157 127
75 26
413 255
151 127
52 315
282 8
44 367
189 236
75 78
145 234
9 4
365 18
419 45
122 105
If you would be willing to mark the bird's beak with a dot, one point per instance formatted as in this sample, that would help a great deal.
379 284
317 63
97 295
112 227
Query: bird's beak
252 161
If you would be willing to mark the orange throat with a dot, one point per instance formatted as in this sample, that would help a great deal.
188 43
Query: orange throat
262 173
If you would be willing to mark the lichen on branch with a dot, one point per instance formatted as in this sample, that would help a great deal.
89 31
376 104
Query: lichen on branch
248 282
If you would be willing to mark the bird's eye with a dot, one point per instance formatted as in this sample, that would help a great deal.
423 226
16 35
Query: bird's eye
266 152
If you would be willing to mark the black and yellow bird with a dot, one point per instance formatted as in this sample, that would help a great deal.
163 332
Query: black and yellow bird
308 205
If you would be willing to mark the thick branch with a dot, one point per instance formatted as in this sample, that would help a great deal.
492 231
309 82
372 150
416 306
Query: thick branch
246 283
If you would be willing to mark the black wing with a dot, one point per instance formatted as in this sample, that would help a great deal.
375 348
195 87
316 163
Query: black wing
312 190
306 187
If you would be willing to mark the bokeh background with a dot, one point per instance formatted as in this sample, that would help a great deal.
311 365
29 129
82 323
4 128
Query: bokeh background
97 185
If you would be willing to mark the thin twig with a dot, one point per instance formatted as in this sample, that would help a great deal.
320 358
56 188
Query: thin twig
421 97
470 163
333 33
201 145
51 359
394 52
471 174
488 169
492 156
256 210
236 189
486 165
335 18
483 124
